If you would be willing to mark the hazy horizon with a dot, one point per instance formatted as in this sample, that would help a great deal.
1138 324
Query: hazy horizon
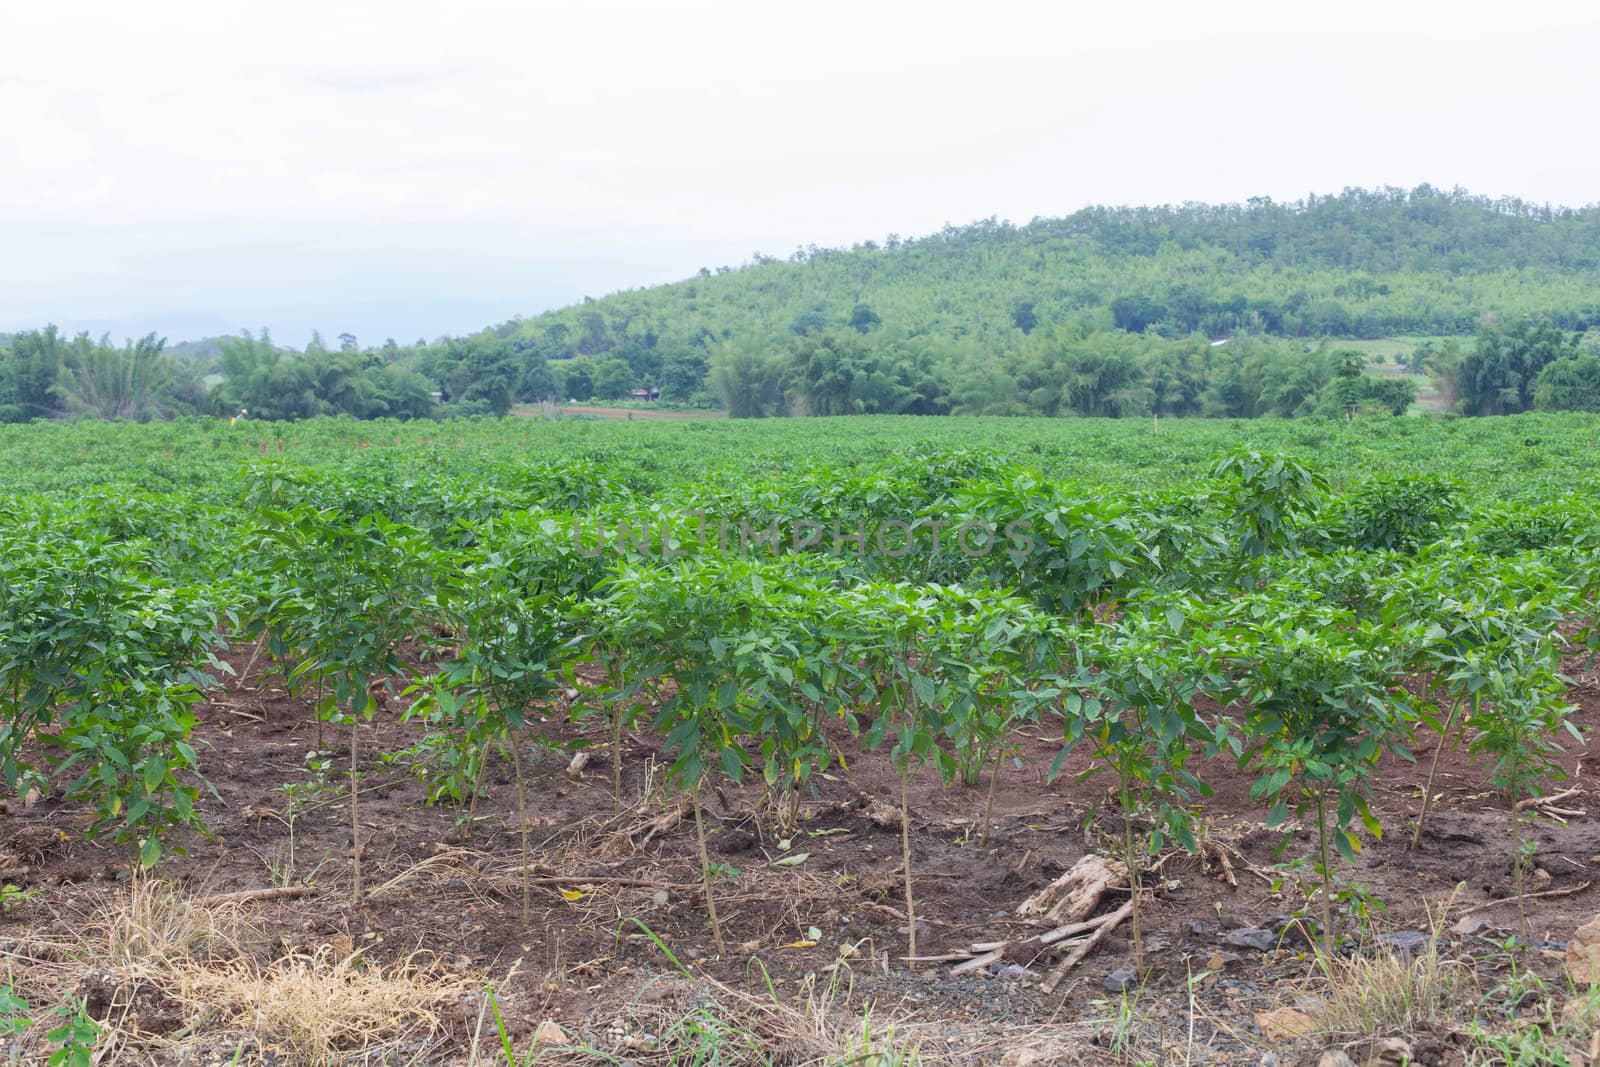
203 168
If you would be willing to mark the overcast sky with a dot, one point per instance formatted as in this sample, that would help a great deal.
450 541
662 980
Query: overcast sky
399 169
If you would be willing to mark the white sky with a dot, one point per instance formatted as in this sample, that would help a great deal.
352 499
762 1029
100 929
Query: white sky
400 168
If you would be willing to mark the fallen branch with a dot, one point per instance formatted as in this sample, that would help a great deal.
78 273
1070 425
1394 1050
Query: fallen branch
1553 798
252 896
1062 933
1112 922
1221 855
1567 892
977 963
1069 893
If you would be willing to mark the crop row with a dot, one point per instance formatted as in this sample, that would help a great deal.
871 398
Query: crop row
1326 630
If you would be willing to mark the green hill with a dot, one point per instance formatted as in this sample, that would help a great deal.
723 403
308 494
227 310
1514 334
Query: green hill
1104 312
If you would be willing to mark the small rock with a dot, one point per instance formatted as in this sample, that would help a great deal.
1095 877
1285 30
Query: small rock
1268 1059
1470 925
1013 972
1406 942
1121 980
1200 928
1292 928
550 1035
1156 944
1334 1058
1284 1024
1583 954
1390 1052
1248 937
660 898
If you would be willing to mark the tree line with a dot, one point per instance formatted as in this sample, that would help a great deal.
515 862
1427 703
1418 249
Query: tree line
1064 370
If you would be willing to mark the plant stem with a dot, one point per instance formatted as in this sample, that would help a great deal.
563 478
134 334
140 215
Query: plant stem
522 820
705 875
1132 859
616 758
244 674
905 858
1327 875
477 784
1433 765
355 793
1516 850
789 809
988 805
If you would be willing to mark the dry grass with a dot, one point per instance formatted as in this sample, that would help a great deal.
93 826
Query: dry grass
1391 994
320 1008
1378 992
456 863
206 973
153 929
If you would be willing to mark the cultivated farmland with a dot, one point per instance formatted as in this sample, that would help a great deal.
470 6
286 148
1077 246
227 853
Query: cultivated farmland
836 741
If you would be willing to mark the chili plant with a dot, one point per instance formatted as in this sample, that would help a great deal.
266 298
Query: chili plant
1135 702
1067 553
901 643
1517 714
1268 496
511 643
347 594
1316 688
1467 613
705 625
102 664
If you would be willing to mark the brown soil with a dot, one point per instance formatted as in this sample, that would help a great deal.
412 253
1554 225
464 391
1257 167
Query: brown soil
581 957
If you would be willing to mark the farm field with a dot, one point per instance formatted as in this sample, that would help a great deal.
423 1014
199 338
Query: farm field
867 740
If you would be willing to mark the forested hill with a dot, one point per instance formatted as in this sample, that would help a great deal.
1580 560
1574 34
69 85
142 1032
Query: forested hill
1234 310
1099 313
1362 264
